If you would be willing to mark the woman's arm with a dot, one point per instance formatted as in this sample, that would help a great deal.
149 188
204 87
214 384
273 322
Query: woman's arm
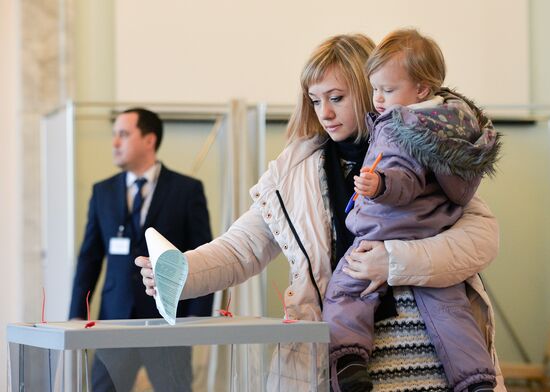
440 261
243 251
449 257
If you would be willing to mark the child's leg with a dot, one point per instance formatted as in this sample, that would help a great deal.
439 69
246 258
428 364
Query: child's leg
350 317
456 335
351 323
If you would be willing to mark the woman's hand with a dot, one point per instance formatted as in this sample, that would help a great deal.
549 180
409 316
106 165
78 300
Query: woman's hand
147 274
369 261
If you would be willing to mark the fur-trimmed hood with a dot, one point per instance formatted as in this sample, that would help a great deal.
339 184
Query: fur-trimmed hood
449 135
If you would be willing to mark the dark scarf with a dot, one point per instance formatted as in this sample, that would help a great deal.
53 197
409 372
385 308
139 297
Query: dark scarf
340 189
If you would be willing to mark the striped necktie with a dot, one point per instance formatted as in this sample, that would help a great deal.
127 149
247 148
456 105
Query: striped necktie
136 207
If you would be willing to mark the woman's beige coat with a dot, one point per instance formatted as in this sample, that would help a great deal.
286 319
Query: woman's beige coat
291 184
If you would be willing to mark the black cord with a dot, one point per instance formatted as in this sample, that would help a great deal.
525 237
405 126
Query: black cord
302 248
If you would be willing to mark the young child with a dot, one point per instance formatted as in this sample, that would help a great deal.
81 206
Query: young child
436 147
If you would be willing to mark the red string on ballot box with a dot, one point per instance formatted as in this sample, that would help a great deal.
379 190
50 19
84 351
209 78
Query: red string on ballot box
43 306
89 324
226 312
286 319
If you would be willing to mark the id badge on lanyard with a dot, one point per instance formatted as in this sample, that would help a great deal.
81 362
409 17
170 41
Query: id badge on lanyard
119 245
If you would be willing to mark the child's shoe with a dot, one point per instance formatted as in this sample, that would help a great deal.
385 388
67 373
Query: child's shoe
485 386
352 375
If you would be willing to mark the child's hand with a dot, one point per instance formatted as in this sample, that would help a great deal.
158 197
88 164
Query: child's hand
367 183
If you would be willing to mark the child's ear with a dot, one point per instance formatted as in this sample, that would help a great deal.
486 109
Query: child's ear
423 91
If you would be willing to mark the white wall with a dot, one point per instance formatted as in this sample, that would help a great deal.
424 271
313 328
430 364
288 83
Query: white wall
94 50
10 209
211 51
540 52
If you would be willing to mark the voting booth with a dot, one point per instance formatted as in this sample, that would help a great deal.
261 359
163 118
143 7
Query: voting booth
60 356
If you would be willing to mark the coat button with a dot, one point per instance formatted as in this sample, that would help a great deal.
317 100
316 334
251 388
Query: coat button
256 195
264 203
290 293
285 246
276 232
269 215
292 261
296 276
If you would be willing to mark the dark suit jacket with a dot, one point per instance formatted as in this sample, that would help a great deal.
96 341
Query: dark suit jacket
178 211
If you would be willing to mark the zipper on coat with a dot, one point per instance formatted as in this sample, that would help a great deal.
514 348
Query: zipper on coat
303 249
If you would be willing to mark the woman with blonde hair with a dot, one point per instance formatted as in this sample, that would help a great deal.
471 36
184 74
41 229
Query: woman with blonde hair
298 209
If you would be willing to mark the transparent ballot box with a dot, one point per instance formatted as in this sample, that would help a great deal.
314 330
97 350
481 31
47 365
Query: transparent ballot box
196 354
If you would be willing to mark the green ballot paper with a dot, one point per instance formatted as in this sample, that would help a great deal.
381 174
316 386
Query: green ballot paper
170 269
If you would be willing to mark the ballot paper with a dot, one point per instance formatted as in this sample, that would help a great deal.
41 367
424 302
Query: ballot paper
170 269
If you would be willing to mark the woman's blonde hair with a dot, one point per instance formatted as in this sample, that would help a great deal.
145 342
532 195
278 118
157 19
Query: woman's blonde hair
349 54
419 55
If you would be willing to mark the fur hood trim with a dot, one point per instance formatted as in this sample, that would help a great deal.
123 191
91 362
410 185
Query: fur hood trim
453 138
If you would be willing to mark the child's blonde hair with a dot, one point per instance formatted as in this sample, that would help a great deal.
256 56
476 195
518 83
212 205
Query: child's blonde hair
348 54
419 55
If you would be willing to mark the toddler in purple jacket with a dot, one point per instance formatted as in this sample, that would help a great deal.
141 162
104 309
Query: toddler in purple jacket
436 146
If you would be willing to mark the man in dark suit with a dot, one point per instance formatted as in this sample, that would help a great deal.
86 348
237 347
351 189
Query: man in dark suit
145 194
